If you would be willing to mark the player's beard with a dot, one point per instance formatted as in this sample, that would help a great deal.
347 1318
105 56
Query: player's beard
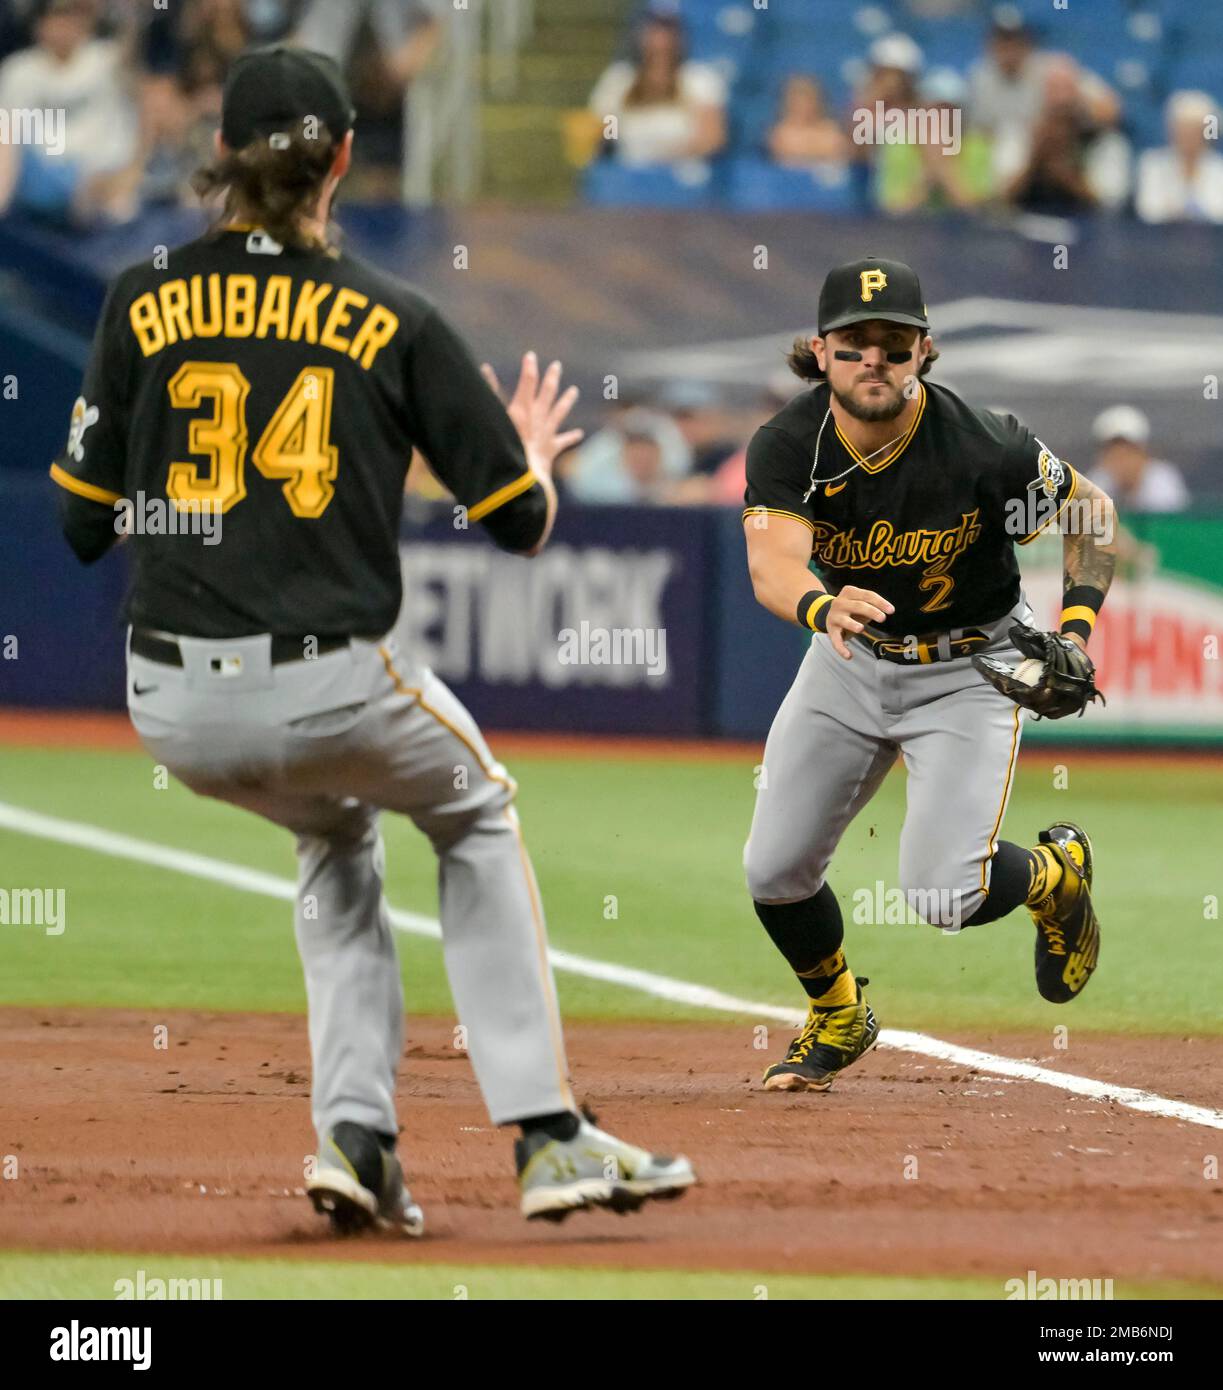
887 409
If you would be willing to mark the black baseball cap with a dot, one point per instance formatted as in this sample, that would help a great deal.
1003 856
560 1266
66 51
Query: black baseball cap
871 288
269 90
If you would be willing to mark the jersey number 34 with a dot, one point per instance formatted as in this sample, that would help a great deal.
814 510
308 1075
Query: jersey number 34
296 445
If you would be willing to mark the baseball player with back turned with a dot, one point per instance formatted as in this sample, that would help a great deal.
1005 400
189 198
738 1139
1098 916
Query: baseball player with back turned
282 385
910 502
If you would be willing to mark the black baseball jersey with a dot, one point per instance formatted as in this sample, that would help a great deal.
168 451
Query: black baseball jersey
276 394
931 523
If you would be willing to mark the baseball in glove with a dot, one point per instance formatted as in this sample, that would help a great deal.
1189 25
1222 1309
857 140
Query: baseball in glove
1056 677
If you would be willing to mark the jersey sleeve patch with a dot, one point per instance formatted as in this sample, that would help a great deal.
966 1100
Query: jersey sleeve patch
1050 491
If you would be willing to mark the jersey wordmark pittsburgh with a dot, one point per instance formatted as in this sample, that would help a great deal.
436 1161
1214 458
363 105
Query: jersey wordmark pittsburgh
283 389
930 523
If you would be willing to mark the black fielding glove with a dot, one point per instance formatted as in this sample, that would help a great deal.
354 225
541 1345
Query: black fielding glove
1065 686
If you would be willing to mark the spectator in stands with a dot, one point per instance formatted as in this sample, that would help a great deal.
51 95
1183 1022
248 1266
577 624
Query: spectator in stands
1076 159
665 108
638 456
895 64
1183 182
1006 90
926 176
698 408
384 46
805 135
890 85
86 163
1125 469
1016 89
187 53
16 18
727 486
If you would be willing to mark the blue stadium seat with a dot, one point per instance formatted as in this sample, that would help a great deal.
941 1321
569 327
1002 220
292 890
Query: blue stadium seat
864 20
608 184
949 43
1144 122
1192 21
756 185
1201 70
725 35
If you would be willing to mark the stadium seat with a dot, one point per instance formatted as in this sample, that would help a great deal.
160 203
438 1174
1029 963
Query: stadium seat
1192 22
608 184
949 43
752 184
1144 122
726 36
864 20
1201 70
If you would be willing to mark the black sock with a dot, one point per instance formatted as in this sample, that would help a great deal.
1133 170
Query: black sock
1009 879
562 1124
808 934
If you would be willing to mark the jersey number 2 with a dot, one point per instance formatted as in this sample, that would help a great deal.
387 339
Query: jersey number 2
942 584
296 445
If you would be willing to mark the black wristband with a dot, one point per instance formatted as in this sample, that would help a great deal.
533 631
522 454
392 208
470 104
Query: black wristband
813 610
1080 604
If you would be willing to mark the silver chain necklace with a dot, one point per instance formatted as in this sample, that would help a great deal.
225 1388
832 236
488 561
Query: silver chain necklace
815 462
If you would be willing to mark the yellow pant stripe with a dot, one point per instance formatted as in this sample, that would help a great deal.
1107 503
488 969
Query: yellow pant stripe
414 694
991 844
541 940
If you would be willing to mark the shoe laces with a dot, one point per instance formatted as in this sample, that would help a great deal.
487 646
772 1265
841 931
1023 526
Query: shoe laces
826 1027
1050 928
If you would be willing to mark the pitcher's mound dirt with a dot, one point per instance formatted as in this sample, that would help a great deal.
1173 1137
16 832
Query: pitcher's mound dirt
908 1166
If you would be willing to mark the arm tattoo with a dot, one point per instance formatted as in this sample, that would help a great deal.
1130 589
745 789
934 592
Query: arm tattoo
1089 542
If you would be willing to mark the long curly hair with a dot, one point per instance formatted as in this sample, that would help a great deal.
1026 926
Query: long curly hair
274 185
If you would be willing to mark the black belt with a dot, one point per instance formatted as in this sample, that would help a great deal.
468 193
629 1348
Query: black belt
166 651
921 651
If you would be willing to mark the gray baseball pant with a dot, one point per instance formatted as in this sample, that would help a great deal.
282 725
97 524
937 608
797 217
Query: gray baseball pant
321 747
838 731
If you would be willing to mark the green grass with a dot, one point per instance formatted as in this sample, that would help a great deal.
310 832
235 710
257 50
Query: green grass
93 1276
665 840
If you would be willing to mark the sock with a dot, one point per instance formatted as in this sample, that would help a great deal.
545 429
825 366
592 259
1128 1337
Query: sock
563 1124
1017 877
829 984
1010 879
809 935
1046 874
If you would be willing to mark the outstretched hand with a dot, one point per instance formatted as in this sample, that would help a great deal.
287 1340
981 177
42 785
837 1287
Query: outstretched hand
538 412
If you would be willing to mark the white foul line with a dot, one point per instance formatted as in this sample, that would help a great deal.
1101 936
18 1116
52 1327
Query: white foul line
94 838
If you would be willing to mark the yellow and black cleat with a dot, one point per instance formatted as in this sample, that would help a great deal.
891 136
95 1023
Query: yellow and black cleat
830 1041
1067 928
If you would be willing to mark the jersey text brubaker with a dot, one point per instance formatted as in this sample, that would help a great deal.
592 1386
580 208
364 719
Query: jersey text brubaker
236 306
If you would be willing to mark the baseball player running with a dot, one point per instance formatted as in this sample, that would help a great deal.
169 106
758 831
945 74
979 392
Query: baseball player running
277 388
910 501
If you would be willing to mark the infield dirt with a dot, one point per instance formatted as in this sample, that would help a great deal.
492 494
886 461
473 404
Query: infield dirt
909 1166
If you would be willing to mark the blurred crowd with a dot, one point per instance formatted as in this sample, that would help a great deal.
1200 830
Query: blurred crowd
1035 129
685 443
140 86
